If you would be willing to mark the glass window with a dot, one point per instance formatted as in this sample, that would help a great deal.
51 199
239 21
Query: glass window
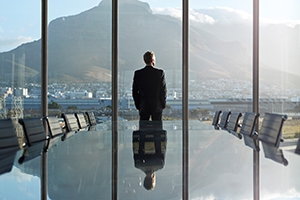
150 26
80 81
220 79
279 93
150 154
221 55
279 45
20 90
80 57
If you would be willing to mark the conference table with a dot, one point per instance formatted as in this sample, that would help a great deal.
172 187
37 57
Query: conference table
220 166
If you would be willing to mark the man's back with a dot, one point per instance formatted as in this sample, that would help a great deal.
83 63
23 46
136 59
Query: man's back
149 81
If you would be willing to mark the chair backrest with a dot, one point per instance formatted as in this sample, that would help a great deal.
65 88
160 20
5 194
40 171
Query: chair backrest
215 121
274 154
8 137
249 123
91 118
247 130
54 128
270 130
34 130
7 161
9 145
81 120
224 119
233 122
70 122
297 150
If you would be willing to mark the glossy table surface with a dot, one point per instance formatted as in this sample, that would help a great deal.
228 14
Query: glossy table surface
220 167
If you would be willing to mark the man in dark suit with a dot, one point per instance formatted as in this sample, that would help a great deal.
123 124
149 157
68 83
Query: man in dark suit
149 89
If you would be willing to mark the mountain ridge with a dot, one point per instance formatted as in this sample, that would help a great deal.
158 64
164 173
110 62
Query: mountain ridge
80 47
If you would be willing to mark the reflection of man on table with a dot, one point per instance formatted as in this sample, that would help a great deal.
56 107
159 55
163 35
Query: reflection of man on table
149 147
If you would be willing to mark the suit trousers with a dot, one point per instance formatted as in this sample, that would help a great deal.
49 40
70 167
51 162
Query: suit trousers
155 117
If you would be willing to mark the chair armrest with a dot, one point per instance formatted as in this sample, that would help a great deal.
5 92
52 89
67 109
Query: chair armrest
281 140
24 145
254 135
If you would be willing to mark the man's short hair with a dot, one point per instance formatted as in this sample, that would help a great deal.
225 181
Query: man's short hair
148 56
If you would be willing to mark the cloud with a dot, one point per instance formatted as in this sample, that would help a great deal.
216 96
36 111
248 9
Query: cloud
291 193
7 44
207 16
21 177
238 14
222 15
174 12
289 23
177 13
229 15
201 18
226 15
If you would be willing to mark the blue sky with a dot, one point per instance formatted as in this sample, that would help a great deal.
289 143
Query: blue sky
20 19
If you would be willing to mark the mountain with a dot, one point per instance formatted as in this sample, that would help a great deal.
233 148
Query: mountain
80 49
279 43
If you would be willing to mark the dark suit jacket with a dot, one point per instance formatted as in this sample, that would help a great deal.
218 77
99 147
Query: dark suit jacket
149 90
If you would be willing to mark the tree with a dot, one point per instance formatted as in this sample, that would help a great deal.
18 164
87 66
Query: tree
297 108
72 107
54 105
198 112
